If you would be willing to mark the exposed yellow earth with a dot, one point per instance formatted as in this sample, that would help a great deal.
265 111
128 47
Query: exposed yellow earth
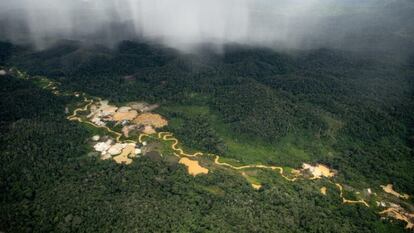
400 214
148 129
152 119
129 115
256 186
193 166
127 151
344 200
105 108
389 189
318 171
323 190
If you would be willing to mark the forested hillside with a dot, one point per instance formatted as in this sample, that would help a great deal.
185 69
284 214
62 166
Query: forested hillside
345 109
353 112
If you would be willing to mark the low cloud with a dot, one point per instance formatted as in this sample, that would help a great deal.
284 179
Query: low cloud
186 24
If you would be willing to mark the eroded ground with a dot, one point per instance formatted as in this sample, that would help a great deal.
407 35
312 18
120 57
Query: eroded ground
390 189
318 171
193 166
133 118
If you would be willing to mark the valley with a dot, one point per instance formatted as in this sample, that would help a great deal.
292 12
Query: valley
191 116
133 131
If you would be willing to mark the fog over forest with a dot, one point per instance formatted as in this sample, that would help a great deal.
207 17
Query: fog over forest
185 24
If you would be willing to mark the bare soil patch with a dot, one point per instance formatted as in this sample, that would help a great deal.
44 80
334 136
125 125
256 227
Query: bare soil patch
193 166
399 213
318 171
129 150
129 115
323 190
390 189
152 119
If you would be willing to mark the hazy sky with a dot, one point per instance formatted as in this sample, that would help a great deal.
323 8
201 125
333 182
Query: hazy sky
187 23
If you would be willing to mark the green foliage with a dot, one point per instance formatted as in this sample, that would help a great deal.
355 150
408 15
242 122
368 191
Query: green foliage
198 133
349 111
324 102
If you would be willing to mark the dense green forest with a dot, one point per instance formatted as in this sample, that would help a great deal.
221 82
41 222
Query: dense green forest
353 112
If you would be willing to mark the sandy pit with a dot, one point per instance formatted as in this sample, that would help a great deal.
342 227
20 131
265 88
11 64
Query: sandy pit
389 189
193 166
106 109
400 214
152 119
102 146
256 186
103 111
148 129
318 171
116 149
124 109
129 115
129 150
